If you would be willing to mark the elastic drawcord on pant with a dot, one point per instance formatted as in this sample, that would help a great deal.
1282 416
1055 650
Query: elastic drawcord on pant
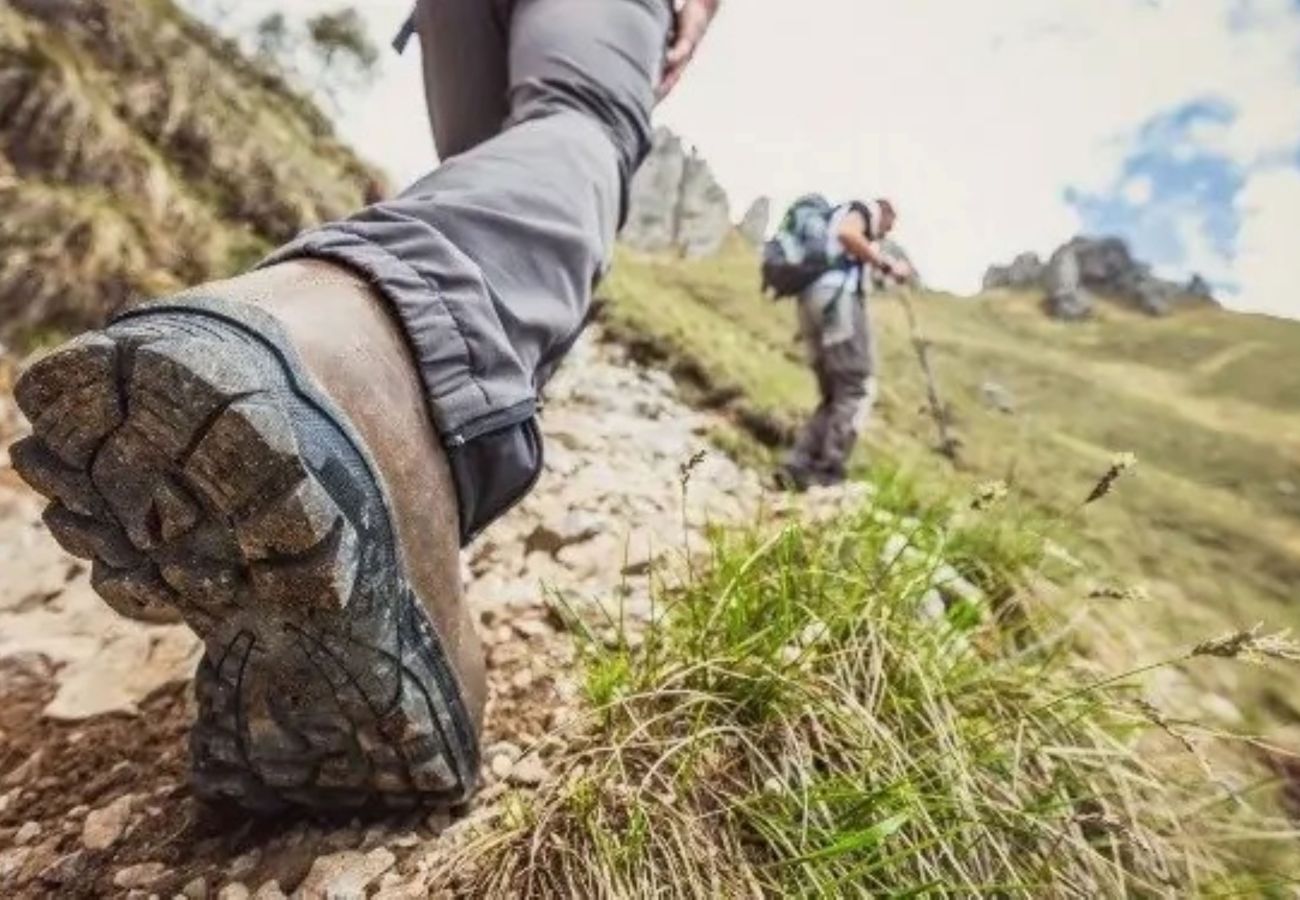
405 34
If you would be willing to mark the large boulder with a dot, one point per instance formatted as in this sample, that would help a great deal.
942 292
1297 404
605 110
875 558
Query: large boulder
676 202
1066 296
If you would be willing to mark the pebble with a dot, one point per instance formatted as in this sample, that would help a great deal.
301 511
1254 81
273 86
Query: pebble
29 832
501 766
103 827
269 891
234 891
65 869
346 875
529 771
141 875
242 866
195 889
438 821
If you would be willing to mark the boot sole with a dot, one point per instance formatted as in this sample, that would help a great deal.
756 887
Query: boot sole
186 452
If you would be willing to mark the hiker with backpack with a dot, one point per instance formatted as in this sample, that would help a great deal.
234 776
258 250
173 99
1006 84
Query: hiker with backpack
292 458
820 255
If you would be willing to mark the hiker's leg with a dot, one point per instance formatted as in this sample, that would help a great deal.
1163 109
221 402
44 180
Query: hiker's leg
489 261
847 363
465 48
283 483
805 456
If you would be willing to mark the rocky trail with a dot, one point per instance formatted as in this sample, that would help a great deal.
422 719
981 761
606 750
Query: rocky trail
94 710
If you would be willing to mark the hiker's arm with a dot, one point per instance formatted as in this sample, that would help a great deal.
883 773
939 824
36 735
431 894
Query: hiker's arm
693 20
853 235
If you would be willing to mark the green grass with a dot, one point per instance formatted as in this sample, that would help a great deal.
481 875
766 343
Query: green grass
795 726
1207 399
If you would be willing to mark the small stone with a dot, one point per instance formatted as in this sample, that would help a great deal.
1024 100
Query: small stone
142 875
8 799
522 680
529 771
501 766
533 628
234 891
346 875
65 869
29 832
242 866
12 862
405 841
269 891
25 771
103 827
79 811
438 821
196 889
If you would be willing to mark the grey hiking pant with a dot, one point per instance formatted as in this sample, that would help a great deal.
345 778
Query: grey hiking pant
541 114
841 349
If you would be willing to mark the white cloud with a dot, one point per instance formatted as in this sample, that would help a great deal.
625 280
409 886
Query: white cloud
1139 190
1269 206
975 117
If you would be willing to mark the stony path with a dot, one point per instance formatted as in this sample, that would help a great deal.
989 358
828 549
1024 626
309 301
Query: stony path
93 709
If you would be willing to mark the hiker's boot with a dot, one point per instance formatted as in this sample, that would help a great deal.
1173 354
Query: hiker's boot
791 478
256 457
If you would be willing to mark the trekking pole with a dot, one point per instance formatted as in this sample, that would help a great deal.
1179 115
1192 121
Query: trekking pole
948 442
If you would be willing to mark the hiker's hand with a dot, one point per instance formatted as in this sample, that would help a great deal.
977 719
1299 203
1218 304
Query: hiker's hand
900 271
693 20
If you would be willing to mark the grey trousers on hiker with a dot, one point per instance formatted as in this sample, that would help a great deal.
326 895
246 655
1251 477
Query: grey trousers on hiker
541 114
841 348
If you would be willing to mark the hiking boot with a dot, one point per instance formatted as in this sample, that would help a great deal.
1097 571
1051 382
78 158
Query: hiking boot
255 457
791 478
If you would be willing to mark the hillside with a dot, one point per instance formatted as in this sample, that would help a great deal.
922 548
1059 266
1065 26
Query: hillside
1208 400
138 153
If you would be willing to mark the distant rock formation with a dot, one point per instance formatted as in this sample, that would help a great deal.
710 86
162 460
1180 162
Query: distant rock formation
1067 298
753 225
676 203
1090 267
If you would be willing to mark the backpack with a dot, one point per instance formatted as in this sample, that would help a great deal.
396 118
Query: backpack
796 255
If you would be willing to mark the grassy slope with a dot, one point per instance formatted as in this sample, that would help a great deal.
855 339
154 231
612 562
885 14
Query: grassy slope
139 153
1206 399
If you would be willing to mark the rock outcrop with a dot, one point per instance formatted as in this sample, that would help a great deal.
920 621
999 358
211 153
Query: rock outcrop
140 152
753 224
676 203
1066 296
1087 268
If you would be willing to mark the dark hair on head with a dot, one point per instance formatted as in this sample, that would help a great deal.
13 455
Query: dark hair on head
887 208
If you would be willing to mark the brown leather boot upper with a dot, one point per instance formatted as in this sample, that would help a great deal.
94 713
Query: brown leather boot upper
359 357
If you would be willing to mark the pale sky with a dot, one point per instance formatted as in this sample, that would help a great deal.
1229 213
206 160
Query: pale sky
995 125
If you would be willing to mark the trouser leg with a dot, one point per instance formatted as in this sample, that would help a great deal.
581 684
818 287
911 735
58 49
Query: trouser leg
805 456
465 47
489 261
848 365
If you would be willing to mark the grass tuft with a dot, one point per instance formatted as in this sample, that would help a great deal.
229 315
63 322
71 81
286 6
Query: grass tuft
805 721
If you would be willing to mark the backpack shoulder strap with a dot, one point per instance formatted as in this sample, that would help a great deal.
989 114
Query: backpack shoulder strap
870 211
